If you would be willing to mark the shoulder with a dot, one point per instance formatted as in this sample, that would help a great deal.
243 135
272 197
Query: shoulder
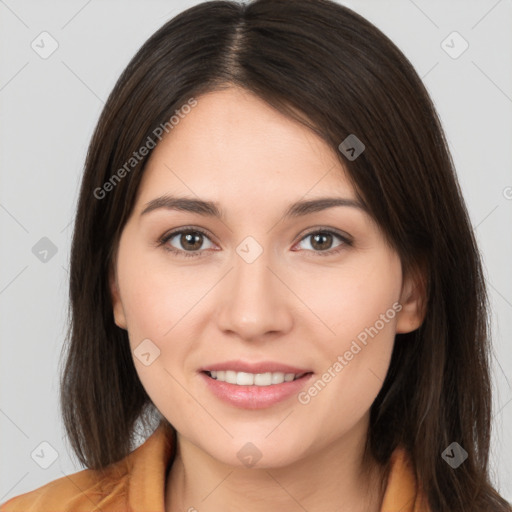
135 482
82 491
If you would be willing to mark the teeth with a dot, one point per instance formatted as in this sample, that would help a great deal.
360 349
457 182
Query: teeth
250 379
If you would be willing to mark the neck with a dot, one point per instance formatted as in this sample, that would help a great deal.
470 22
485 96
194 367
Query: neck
334 478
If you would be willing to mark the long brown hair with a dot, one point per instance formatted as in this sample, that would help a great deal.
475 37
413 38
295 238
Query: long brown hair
327 67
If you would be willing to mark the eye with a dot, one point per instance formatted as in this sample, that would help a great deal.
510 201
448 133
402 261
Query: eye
190 240
322 240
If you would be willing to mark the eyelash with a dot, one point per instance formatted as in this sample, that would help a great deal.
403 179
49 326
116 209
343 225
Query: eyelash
194 254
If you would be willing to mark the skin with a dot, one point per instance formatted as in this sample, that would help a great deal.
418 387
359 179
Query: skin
291 305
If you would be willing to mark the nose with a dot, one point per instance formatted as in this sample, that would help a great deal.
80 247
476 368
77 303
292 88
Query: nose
255 301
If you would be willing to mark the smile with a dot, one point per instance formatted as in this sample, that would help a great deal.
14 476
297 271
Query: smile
245 392
250 379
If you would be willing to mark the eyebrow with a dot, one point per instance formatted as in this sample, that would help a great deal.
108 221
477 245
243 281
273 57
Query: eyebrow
212 208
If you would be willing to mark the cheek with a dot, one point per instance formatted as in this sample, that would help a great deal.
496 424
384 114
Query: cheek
353 299
361 313
155 310
355 367
146 307
154 294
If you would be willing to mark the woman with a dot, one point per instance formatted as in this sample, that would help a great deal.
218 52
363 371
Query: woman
280 373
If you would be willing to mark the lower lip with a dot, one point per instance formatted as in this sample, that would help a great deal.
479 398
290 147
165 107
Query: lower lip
255 397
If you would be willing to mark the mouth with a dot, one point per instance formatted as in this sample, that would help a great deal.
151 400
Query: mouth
254 379
254 390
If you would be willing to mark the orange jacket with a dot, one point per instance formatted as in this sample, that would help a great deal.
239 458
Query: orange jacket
137 484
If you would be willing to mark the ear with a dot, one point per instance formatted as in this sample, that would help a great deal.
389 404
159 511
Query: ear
118 310
413 300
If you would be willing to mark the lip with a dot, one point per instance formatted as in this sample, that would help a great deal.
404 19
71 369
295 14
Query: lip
261 367
255 397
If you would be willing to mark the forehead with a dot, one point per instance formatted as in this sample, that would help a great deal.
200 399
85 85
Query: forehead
233 144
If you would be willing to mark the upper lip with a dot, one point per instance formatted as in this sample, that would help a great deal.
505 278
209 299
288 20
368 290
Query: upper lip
261 367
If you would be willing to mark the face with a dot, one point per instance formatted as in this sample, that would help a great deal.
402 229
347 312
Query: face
321 292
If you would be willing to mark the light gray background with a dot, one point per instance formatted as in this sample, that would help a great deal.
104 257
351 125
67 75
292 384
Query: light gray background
49 108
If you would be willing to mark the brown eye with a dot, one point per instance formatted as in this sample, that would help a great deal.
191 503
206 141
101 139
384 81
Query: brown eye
322 242
191 241
185 242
